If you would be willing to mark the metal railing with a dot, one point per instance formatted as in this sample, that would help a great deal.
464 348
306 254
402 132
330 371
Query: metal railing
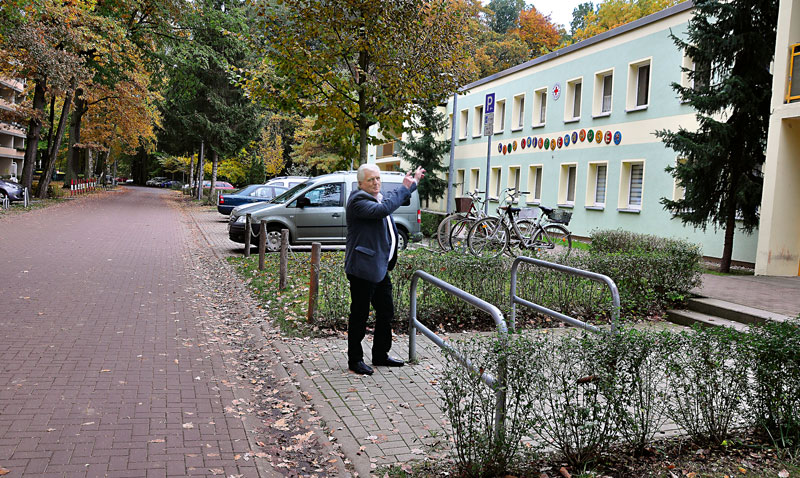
496 383
552 313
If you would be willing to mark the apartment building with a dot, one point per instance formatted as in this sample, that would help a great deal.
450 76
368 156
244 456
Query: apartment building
12 136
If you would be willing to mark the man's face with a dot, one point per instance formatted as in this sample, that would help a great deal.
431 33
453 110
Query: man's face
371 182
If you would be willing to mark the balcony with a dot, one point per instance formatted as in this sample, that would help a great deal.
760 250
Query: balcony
386 150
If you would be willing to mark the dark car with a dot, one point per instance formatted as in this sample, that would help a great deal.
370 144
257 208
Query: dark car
13 191
250 194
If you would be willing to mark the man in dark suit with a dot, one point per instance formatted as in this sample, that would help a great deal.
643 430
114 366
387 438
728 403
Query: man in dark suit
370 254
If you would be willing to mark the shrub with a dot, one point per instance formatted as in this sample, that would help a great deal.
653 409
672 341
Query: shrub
774 357
706 382
430 223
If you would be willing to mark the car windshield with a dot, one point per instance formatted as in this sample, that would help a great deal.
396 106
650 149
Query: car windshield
289 194
247 190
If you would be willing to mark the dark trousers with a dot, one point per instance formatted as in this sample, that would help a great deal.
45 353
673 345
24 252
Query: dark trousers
362 294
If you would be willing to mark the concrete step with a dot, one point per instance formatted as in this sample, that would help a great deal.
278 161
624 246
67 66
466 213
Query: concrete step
691 317
734 312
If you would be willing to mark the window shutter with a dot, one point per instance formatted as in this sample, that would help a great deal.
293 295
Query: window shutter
637 175
600 187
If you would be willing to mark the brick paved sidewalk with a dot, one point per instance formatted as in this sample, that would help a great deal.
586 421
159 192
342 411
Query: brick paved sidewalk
104 369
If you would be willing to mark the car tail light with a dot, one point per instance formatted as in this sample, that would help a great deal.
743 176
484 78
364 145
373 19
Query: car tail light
419 216
222 199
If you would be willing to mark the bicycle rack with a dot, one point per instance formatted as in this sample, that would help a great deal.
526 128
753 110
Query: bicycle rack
498 383
552 313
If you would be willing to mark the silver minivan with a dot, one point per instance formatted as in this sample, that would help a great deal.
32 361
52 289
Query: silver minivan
314 211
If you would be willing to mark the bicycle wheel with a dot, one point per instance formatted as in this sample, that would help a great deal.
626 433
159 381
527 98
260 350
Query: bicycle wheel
517 245
443 231
553 236
458 235
488 237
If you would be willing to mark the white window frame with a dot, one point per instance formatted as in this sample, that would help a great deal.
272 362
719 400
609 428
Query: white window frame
592 184
460 180
534 179
499 116
634 68
600 93
625 180
462 125
475 179
564 185
494 183
518 112
539 96
571 98
477 121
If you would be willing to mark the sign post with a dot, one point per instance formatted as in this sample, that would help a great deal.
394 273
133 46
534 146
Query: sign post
488 130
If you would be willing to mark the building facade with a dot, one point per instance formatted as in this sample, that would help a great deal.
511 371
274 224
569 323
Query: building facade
576 128
12 136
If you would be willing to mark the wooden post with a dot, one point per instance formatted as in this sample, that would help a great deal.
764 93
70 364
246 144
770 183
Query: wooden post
284 259
313 286
248 231
262 245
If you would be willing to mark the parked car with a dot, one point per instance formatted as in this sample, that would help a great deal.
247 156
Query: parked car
173 183
314 211
13 191
287 181
155 181
223 185
250 194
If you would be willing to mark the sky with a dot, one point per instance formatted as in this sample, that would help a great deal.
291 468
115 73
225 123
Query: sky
560 11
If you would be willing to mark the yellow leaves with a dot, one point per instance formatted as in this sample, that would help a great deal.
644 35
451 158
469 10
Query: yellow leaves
614 13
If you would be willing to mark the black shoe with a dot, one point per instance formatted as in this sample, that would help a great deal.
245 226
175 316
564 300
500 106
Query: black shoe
389 362
361 368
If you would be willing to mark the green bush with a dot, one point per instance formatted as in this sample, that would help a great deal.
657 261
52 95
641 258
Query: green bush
430 223
773 352
707 382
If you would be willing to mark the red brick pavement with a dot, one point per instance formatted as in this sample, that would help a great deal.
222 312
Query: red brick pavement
103 368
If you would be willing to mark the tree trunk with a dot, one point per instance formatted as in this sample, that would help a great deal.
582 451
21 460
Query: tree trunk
363 63
191 172
730 229
52 152
75 137
214 162
34 132
89 164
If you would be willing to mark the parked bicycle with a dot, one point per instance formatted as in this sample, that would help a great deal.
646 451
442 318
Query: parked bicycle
518 230
452 231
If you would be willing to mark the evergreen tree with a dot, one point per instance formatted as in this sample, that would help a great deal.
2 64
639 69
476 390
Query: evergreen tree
732 43
423 149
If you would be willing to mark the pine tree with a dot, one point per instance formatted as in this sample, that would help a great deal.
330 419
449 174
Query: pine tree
732 43
423 149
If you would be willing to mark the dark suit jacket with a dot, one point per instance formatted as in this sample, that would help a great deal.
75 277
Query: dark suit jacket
368 242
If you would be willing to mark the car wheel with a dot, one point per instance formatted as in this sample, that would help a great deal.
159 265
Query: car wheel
402 240
273 240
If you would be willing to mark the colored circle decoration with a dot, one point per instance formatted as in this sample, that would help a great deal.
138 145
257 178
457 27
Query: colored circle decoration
608 137
590 136
583 135
522 143
529 141
598 136
499 147
515 145
574 136
560 141
566 140
509 148
553 145
541 143
504 149
617 137
547 143
532 142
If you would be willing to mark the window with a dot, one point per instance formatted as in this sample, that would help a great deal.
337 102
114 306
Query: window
494 183
693 75
462 125
534 184
678 191
518 113
539 107
566 185
596 186
631 186
327 195
449 132
638 85
603 87
474 179
477 122
573 101
499 116
513 177
462 188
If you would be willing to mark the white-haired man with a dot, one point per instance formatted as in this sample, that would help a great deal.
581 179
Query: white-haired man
370 254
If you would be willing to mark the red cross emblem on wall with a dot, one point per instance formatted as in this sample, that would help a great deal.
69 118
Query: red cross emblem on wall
556 91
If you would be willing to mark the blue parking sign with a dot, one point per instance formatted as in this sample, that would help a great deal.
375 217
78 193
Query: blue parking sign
489 108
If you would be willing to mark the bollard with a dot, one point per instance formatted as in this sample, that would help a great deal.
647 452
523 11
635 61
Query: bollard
262 245
313 286
71 188
248 231
284 259
26 198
